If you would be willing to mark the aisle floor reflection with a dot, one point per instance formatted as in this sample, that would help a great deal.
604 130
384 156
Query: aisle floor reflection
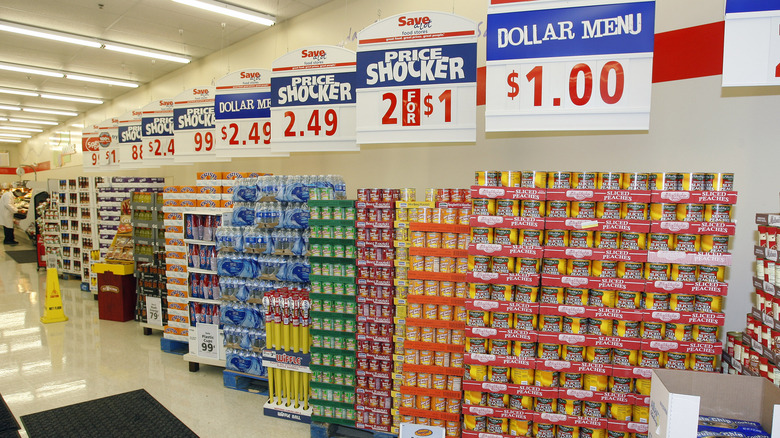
48 366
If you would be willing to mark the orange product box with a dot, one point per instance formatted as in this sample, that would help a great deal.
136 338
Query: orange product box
235 175
187 203
210 190
177 293
189 189
177 331
171 203
178 318
208 203
174 242
226 203
177 306
175 255
172 189
178 281
228 190
213 176
173 267
173 217
174 229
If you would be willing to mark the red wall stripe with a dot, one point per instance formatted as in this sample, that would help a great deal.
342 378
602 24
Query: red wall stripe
46 165
693 52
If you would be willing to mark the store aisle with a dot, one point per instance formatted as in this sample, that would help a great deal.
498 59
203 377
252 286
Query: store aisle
48 366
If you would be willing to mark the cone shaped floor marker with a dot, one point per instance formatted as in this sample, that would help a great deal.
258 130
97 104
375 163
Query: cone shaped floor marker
52 306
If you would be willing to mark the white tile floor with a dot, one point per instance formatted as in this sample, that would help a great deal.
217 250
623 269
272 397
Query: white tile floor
48 366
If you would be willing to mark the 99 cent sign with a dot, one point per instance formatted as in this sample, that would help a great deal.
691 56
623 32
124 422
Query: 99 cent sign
417 79
242 108
313 100
751 48
130 142
157 133
193 125
563 65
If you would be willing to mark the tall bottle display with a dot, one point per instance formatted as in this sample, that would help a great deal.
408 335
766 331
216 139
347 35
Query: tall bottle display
333 307
594 279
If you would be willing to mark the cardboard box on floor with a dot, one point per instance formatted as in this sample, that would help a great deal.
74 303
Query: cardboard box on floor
677 398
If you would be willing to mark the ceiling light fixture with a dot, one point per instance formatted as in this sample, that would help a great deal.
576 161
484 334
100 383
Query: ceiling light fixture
31 70
230 10
77 125
18 92
72 98
3 134
33 121
10 108
48 34
49 111
8 140
98 80
17 128
147 53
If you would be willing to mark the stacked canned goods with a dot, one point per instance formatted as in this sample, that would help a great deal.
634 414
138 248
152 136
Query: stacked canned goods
433 330
375 216
333 327
756 352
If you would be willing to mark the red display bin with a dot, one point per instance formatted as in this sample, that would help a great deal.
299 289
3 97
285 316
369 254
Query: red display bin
116 291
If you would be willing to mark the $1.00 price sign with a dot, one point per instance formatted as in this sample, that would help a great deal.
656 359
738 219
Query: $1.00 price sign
108 138
193 125
131 148
553 67
242 108
313 100
751 47
417 79
157 133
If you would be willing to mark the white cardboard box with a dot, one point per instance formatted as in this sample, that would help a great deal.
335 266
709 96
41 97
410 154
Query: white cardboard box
677 398
421 431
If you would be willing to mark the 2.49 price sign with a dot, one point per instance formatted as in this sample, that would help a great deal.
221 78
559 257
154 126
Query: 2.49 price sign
416 81
157 133
569 68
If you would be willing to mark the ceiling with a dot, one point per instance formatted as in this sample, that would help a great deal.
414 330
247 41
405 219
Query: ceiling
158 24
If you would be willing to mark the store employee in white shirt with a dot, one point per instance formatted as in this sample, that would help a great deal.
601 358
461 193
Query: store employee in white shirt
7 210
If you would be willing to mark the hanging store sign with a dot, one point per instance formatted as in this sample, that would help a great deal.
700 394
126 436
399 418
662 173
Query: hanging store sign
131 148
751 47
157 133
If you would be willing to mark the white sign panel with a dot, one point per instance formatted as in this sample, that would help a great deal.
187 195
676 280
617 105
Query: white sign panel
562 65
90 146
154 311
193 125
417 79
313 100
131 147
157 133
108 138
242 108
208 339
751 47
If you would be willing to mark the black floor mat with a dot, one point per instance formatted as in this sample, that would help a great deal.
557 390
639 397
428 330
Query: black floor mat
132 414
7 421
23 256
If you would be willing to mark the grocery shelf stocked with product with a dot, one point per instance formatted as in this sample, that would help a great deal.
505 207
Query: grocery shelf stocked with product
76 204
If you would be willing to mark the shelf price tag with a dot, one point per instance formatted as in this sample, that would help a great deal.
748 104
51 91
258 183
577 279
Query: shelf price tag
417 79
154 311
157 133
751 46
556 67
130 141
90 146
242 108
193 125
313 100
208 338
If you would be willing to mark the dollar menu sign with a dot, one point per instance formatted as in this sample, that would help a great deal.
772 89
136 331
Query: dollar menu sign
511 80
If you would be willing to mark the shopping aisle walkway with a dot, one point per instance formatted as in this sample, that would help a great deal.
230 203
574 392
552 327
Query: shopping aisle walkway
49 366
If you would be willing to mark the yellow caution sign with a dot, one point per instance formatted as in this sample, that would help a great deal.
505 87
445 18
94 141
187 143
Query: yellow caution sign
52 306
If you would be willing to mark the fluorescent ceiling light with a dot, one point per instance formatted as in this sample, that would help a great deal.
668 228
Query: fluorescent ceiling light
77 125
10 108
31 70
18 92
101 80
3 119
3 134
17 128
33 121
230 10
71 98
147 53
48 34
8 140
50 111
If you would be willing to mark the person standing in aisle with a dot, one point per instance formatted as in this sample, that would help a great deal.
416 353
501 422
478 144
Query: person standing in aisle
7 210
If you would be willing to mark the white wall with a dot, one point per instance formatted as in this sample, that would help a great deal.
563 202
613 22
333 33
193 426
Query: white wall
695 126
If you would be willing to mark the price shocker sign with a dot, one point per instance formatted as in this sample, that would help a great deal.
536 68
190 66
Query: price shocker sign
751 47
552 66
416 80
130 142
193 125
313 100
157 133
242 108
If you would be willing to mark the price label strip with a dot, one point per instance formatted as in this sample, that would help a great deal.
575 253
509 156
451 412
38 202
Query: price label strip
193 126
552 67
751 46
313 105
130 141
90 147
157 133
242 108
417 79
